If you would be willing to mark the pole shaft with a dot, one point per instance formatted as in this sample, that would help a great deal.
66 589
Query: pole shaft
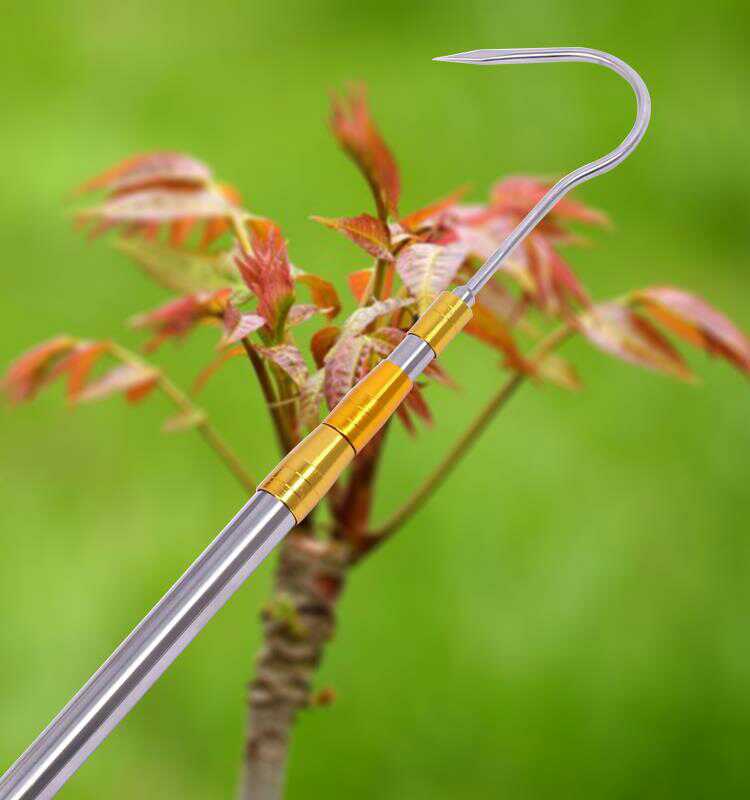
139 661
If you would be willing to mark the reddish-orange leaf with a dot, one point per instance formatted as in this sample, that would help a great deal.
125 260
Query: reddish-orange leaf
149 169
322 292
403 414
288 358
360 280
322 341
555 280
238 325
366 231
518 195
140 391
123 378
301 312
557 370
345 364
180 316
180 229
415 402
80 363
418 218
427 269
486 327
159 206
621 332
267 272
213 229
213 367
29 373
356 132
697 322
359 320
310 398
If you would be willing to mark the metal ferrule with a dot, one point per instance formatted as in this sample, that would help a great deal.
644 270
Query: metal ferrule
308 472
366 408
442 321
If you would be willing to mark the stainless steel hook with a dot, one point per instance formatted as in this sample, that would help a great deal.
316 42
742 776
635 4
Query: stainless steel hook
571 180
305 474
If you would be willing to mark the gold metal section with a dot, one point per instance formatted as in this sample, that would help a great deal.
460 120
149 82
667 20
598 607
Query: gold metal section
309 471
367 407
443 319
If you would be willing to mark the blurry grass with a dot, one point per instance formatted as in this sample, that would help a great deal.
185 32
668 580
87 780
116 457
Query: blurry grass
568 616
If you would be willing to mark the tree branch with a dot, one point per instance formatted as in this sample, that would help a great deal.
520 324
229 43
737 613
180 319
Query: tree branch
435 479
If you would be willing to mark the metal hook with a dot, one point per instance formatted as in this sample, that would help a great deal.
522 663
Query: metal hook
587 171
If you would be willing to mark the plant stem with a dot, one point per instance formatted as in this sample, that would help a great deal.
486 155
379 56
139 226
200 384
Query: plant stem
210 435
464 443
270 396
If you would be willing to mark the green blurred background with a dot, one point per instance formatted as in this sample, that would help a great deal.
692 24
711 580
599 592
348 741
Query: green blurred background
569 616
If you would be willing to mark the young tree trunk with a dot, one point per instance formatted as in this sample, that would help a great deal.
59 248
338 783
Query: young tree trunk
297 623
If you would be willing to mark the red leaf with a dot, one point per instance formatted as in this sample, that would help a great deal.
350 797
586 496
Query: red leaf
356 132
360 280
160 206
417 218
345 364
123 378
416 403
403 414
289 359
366 231
555 282
697 322
518 195
384 340
362 318
486 327
427 269
157 189
140 391
558 371
310 398
178 317
238 325
30 372
301 312
149 169
322 292
322 341
621 332
267 273
80 363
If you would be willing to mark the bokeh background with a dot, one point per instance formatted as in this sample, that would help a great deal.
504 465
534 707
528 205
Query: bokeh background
569 616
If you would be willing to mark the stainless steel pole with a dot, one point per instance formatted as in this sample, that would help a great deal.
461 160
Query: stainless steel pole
292 489
139 661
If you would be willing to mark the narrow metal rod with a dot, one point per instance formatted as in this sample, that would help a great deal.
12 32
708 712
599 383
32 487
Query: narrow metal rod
578 176
139 661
